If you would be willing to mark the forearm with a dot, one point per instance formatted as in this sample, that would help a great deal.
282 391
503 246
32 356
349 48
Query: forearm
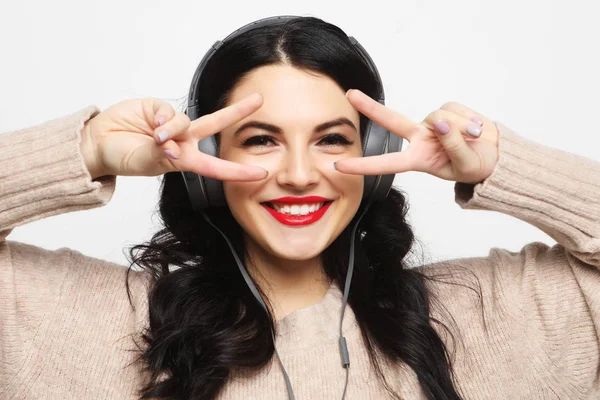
553 190
44 174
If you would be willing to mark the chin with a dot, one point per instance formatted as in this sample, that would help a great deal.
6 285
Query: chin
297 250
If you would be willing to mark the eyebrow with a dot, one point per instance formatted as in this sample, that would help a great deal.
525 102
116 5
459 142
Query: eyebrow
275 129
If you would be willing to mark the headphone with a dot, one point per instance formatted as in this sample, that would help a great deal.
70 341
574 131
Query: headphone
208 192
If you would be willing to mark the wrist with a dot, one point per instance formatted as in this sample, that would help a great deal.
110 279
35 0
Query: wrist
88 151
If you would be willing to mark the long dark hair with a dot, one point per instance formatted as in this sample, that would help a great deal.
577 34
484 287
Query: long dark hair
203 319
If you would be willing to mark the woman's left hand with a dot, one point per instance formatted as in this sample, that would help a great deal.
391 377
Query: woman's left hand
456 156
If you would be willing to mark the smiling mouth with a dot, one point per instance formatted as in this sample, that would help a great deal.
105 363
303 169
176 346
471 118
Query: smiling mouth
296 209
297 214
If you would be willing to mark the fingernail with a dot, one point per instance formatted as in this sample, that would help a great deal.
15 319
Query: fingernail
475 119
442 127
170 154
163 135
473 130
334 165
266 173
348 91
161 121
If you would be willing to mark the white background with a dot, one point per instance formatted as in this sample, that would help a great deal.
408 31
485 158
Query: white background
532 65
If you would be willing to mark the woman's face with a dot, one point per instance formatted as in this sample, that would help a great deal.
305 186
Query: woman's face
292 143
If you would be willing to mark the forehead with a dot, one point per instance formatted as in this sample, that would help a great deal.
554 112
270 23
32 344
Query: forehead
291 94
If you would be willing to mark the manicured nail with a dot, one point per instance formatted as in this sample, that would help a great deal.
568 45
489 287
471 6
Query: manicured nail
476 119
170 154
161 121
163 135
473 130
442 127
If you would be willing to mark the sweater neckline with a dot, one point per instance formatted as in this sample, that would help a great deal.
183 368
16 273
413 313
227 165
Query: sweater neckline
316 323
328 297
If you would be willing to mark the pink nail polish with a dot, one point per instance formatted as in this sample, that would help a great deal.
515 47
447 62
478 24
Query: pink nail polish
163 136
442 127
476 119
170 154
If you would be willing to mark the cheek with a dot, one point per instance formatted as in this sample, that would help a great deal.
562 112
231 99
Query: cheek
238 195
349 186
268 160
353 186
239 200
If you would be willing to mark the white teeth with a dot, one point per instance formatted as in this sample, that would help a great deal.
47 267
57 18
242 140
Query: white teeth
297 209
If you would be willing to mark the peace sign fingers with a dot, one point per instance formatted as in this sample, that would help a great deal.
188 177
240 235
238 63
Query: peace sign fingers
385 117
183 145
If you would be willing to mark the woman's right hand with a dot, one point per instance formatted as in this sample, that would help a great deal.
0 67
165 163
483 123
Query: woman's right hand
123 140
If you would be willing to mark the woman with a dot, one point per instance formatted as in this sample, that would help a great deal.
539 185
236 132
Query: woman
511 325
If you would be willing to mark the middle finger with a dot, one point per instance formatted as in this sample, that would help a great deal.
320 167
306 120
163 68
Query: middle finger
385 117
213 123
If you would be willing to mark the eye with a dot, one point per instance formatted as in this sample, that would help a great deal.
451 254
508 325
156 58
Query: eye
335 139
260 140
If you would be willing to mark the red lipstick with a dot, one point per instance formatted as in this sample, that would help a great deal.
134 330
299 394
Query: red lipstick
298 220
299 200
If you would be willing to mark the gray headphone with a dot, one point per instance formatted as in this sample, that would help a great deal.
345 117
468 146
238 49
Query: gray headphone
207 192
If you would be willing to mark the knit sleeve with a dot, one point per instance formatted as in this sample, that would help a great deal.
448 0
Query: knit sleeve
42 172
536 321
60 312
556 191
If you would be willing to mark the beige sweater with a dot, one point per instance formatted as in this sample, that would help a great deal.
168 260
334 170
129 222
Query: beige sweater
65 320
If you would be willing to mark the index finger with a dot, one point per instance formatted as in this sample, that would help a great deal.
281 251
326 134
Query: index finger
382 115
213 123
193 160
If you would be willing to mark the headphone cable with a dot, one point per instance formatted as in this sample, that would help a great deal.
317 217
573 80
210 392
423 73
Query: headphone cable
342 340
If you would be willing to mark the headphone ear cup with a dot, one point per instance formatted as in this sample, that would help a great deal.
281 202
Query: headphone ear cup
379 140
205 192
213 188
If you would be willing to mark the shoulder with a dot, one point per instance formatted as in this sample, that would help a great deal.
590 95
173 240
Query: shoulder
504 286
51 276
500 268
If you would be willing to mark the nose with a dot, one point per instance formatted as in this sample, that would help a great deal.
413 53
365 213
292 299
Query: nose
298 170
